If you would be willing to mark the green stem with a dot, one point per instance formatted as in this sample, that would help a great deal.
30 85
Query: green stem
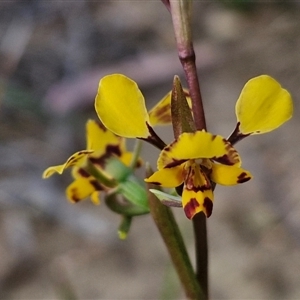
100 176
181 16
168 228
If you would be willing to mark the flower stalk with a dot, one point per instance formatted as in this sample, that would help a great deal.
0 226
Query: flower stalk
168 228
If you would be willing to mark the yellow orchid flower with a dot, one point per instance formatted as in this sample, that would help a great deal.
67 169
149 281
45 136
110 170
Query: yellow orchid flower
194 159
197 159
101 144
120 105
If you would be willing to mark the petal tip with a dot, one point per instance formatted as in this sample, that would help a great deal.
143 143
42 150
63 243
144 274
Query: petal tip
244 177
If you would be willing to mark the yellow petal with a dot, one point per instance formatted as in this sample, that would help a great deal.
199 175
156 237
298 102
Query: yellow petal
160 114
76 159
229 175
171 177
194 202
263 105
126 159
95 197
82 188
197 193
120 106
99 137
199 144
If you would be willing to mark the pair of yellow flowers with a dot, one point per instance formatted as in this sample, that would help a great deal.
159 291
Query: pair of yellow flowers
194 159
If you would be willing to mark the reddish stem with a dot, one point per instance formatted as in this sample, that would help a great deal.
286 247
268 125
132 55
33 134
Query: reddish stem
188 61
180 11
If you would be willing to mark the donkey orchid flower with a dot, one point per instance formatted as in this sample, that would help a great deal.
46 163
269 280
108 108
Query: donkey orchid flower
197 159
101 145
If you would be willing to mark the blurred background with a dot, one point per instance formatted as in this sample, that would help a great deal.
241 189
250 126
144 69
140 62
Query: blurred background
52 55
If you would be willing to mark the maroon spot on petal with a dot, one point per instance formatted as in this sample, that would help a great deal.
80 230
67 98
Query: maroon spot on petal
192 184
113 149
213 137
71 159
201 188
225 160
230 158
191 207
155 182
167 149
74 159
74 195
96 185
82 172
243 177
98 160
81 152
208 206
163 113
109 151
174 163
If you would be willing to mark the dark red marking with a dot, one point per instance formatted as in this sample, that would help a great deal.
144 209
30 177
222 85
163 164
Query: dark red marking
243 177
208 206
189 182
74 195
110 151
83 173
163 113
96 185
191 207
155 182
225 160
82 152
230 158
174 163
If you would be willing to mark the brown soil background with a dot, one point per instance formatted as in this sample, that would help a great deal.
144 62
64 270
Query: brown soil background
52 56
